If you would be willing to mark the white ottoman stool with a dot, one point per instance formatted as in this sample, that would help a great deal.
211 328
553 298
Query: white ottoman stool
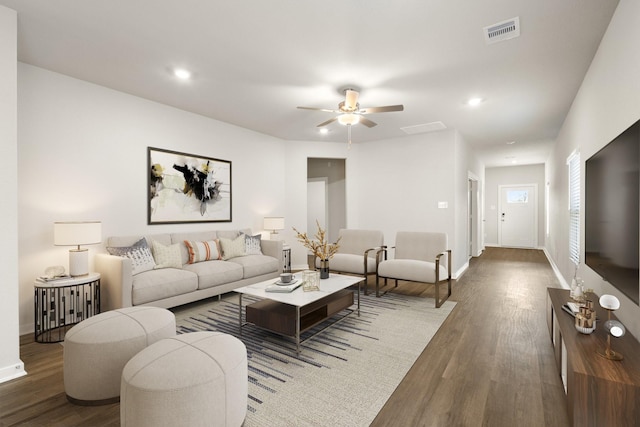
194 379
96 350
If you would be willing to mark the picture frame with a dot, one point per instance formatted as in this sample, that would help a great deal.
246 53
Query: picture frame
187 188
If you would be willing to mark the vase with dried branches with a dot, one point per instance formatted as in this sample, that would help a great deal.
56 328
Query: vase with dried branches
320 248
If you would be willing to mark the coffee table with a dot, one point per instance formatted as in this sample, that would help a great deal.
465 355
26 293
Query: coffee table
290 314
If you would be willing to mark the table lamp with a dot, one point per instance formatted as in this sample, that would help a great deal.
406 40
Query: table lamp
76 234
274 223
613 327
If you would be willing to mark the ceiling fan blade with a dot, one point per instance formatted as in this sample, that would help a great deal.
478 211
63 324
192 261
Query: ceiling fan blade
351 100
386 109
368 123
327 122
319 109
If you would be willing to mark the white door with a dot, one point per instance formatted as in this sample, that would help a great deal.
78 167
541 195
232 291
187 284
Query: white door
518 216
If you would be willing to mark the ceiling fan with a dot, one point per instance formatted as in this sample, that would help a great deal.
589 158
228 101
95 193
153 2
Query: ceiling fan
349 112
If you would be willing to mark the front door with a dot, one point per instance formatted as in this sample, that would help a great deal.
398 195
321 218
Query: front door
518 216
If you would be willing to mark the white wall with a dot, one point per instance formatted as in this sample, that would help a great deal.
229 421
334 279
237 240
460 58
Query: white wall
512 175
606 104
10 364
83 156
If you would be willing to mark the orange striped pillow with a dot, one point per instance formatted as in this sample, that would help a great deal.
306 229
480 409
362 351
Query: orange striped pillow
203 251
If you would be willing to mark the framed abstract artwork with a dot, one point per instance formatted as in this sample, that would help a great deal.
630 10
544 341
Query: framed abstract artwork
185 188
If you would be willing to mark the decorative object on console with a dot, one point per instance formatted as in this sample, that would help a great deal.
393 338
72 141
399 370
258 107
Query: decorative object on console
76 233
586 318
185 188
613 327
577 288
320 248
274 223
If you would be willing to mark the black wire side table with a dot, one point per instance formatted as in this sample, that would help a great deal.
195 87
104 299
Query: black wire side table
60 304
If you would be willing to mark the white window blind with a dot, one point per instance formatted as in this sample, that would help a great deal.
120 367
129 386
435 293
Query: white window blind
574 207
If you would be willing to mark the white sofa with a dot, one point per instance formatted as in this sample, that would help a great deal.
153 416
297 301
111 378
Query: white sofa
171 287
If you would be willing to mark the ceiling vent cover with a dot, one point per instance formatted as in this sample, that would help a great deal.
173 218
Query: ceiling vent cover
501 31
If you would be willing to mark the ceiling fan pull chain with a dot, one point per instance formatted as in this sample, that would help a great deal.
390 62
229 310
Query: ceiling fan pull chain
349 136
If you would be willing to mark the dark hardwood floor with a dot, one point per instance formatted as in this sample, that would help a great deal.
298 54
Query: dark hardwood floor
490 364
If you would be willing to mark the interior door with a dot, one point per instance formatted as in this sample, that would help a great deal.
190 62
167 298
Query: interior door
518 216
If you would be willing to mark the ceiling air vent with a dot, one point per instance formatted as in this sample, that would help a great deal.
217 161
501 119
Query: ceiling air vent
501 31
427 127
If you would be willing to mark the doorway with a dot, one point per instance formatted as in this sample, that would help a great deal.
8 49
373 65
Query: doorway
518 216
329 202
474 223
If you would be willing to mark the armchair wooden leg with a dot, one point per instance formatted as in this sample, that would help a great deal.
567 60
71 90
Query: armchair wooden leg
439 301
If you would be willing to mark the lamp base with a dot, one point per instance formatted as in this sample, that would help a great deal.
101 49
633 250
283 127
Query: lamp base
78 262
610 354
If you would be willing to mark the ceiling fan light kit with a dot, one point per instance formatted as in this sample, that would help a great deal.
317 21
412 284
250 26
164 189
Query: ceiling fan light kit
348 119
349 112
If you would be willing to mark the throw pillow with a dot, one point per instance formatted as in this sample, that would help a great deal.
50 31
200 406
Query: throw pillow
232 248
202 251
166 256
252 245
139 254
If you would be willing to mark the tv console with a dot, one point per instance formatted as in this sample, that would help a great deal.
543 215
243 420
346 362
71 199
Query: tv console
600 392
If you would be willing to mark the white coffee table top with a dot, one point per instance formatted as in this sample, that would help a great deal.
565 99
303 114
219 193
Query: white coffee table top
299 297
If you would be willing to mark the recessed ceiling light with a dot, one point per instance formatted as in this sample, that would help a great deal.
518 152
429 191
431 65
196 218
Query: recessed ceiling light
474 102
182 74
510 142
324 131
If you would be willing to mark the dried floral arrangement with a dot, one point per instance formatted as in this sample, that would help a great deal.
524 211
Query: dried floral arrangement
320 247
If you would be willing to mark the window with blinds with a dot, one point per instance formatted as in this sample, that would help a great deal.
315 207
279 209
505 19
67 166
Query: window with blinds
574 207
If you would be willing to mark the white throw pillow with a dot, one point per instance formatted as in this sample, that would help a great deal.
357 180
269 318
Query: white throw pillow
166 256
232 248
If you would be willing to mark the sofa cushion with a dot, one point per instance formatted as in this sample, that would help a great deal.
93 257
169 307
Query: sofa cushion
252 245
232 248
166 256
139 254
256 265
158 284
203 251
349 263
409 269
214 273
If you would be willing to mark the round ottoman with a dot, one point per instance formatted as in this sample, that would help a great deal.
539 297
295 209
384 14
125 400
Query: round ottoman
96 350
194 379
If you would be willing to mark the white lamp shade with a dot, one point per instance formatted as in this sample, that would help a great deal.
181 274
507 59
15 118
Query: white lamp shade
77 233
274 223
609 302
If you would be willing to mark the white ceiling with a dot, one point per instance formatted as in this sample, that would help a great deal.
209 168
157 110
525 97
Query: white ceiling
254 61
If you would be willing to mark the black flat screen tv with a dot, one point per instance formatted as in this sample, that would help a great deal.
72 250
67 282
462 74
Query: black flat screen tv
612 215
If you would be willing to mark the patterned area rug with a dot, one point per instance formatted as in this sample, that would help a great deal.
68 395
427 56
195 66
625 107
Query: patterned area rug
343 376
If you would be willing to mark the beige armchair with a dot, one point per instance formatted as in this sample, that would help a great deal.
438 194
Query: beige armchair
358 253
419 257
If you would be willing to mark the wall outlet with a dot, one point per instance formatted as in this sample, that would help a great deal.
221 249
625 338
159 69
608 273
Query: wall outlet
443 205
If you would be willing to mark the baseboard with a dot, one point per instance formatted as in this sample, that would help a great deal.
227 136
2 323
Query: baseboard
461 271
556 270
12 372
